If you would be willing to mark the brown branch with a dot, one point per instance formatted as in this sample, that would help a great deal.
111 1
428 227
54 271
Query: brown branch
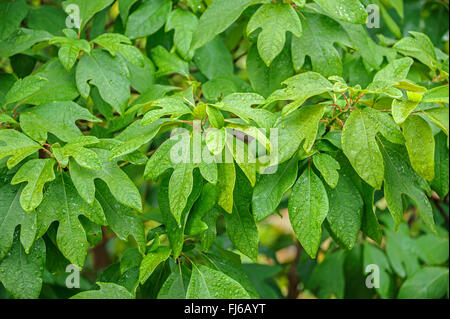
294 279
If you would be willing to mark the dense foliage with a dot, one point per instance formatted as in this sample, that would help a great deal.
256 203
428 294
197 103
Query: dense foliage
167 147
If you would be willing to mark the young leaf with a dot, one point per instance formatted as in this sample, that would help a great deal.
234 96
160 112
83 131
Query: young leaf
300 88
328 167
420 47
180 187
308 208
16 146
174 107
71 47
36 173
117 43
420 145
76 148
360 147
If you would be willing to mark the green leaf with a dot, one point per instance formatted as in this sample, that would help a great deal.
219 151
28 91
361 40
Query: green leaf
76 148
207 201
151 261
160 160
214 59
117 43
184 23
21 40
428 283
270 188
328 167
360 147
265 80
175 231
16 146
120 185
207 283
87 8
124 9
175 107
440 117
225 182
71 47
374 256
395 72
168 62
36 173
243 156
217 18
12 215
319 37
301 125
57 118
11 15
180 187
401 109
241 226
148 18
420 145
274 20
386 125
328 277
106 291
230 264
24 88
175 287
60 85
109 74
402 251
440 183
400 179
345 10
135 136
123 220
300 88
436 95
420 47
62 203
344 219
22 273
308 208
240 104
433 250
